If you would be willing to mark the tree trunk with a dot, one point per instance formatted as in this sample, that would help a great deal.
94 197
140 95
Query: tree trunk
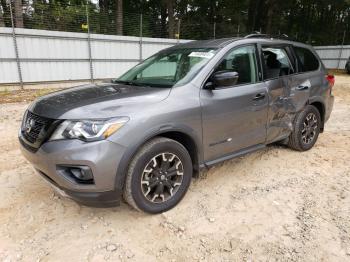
162 19
271 13
252 10
171 20
256 15
103 17
2 22
119 17
18 13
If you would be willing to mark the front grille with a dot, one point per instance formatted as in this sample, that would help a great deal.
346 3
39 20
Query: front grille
33 125
35 129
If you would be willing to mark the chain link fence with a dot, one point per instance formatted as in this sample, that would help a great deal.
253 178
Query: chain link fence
83 19
90 18
87 16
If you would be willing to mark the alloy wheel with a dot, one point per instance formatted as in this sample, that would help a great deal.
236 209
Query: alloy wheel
309 131
162 177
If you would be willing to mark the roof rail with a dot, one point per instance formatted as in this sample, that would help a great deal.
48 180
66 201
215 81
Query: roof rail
259 35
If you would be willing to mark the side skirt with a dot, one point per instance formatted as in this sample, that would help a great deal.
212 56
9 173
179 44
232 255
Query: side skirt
233 155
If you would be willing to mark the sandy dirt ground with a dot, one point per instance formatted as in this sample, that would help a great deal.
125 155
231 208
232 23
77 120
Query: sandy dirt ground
272 205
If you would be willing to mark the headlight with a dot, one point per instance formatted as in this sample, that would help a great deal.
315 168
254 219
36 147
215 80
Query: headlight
88 130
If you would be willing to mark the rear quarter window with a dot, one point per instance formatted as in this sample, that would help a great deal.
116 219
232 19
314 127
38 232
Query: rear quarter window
307 60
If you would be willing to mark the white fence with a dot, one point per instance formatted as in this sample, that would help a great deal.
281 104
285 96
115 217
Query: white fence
55 56
45 56
334 57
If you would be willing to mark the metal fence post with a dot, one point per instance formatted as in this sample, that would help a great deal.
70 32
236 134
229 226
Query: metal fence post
214 30
341 50
89 42
140 43
16 47
178 30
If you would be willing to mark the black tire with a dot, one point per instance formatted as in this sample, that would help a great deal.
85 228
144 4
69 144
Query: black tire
138 173
297 139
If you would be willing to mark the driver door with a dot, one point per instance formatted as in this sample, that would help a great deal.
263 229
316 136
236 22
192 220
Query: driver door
234 117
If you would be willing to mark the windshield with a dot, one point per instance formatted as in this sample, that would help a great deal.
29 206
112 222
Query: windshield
168 68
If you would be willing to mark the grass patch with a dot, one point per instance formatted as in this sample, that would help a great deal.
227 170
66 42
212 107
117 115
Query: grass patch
337 71
27 95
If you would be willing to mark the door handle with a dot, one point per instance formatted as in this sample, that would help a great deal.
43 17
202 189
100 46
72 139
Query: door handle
300 88
259 96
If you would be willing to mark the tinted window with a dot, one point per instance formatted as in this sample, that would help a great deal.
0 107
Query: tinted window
243 61
307 60
276 62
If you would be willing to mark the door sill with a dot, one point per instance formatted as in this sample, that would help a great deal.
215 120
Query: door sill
234 155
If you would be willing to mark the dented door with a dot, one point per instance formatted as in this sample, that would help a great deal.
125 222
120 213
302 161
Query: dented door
288 95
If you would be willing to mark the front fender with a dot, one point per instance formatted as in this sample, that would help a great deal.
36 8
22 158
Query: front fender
154 132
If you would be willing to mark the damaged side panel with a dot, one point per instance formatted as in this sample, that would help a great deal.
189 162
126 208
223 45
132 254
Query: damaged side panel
288 95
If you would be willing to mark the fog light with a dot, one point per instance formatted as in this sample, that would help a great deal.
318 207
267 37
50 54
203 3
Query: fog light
80 174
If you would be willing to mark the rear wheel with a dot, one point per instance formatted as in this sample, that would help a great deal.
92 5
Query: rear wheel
307 126
158 176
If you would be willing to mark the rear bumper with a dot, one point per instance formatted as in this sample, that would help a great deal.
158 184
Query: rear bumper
102 157
329 107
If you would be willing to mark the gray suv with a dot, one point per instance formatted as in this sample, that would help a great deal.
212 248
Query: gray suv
146 134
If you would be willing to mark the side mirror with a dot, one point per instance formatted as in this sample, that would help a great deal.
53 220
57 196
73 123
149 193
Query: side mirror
222 79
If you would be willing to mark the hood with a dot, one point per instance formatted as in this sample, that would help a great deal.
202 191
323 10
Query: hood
97 101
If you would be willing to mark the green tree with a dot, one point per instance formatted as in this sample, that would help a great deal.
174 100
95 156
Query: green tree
318 22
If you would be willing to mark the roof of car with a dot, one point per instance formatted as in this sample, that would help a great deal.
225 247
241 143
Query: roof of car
222 42
212 43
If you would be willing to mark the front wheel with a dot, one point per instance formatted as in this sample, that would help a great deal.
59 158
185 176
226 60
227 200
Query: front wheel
158 176
307 126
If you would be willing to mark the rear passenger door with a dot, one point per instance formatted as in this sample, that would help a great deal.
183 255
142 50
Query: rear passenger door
287 91
309 81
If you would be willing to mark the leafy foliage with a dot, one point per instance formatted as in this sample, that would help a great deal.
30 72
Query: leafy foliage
317 22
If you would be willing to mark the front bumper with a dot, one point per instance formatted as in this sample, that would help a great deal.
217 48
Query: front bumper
102 157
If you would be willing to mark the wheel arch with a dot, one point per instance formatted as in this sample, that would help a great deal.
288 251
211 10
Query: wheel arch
188 142
183 136
321 109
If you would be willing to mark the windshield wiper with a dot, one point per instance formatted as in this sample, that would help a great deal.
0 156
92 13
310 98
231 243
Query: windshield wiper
132 83
129 83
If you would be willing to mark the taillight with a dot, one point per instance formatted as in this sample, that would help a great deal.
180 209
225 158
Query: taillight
331 80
